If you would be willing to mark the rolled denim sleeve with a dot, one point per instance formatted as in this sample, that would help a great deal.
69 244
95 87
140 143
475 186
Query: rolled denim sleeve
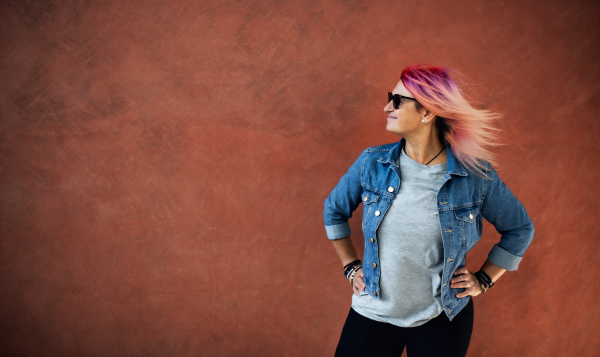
342 201
502 209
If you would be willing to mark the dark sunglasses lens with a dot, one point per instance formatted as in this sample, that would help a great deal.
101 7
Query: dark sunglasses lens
396 100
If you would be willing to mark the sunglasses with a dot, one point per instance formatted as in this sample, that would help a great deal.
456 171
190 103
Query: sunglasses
397 99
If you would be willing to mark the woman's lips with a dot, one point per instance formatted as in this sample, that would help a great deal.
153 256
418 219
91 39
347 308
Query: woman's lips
391 117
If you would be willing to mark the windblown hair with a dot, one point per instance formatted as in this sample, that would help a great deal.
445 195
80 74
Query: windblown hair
468 131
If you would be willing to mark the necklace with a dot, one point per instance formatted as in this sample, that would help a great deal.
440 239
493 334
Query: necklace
443 147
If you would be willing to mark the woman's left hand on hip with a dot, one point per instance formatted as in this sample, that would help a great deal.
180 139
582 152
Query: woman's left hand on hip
464 279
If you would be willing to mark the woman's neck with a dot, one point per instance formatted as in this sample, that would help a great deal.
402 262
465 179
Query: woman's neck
422 151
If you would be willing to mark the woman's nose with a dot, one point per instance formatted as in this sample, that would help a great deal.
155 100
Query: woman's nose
388 107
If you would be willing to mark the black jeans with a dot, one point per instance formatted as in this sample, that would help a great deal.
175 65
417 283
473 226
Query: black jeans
438 337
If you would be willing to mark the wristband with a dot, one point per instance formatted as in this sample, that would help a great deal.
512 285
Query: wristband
351 264
348 268
482 285
482 276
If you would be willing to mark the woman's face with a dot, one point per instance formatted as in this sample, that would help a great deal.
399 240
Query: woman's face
406 119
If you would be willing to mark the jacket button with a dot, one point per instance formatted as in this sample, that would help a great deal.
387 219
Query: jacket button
390 189
374 293
449 260
443 286
374 265
372 240
377 213
366 198
471 216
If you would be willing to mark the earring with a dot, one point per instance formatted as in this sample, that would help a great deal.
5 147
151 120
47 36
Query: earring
423 120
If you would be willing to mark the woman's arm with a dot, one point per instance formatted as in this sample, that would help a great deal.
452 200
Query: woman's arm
345 250
342 201
502 209
506 213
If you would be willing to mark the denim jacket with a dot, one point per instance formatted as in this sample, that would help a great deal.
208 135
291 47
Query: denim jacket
463 199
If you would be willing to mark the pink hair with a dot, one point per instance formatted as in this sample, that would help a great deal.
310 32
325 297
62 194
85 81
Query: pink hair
468 131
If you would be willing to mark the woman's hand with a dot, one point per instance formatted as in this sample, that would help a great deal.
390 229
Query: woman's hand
358 284
466 280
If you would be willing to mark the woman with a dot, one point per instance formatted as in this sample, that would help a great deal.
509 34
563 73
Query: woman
424 199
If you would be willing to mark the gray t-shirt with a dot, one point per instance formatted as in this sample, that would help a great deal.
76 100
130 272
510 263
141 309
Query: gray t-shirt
411 251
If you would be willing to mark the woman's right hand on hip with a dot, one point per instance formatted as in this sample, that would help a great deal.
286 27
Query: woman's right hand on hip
358 283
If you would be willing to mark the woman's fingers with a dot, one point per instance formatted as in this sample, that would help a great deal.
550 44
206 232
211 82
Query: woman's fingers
463 279
461 275
462 270
358 284
356 287
472 291
360 279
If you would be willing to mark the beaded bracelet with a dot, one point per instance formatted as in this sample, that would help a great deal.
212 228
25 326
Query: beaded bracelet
353 271
349 267
351 278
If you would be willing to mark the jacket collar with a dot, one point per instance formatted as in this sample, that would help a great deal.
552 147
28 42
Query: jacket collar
454 167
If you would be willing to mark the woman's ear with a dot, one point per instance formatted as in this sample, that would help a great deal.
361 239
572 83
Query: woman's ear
426 115
429 115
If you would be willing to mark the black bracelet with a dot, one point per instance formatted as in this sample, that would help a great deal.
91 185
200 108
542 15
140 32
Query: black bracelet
351 268
351 263
485 278
353 273
482 285
348 268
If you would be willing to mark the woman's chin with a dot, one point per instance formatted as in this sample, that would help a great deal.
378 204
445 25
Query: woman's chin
392 128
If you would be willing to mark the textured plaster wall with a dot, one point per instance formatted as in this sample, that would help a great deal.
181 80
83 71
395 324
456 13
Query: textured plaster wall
163 166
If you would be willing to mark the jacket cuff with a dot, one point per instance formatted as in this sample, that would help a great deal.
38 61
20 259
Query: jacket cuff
504 259
338 231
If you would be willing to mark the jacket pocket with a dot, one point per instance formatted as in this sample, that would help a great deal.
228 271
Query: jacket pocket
469 225
369 200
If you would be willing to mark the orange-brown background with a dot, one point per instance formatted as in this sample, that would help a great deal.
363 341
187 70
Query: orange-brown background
163 167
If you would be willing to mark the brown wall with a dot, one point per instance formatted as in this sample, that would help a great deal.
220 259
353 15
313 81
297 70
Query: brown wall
163 167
